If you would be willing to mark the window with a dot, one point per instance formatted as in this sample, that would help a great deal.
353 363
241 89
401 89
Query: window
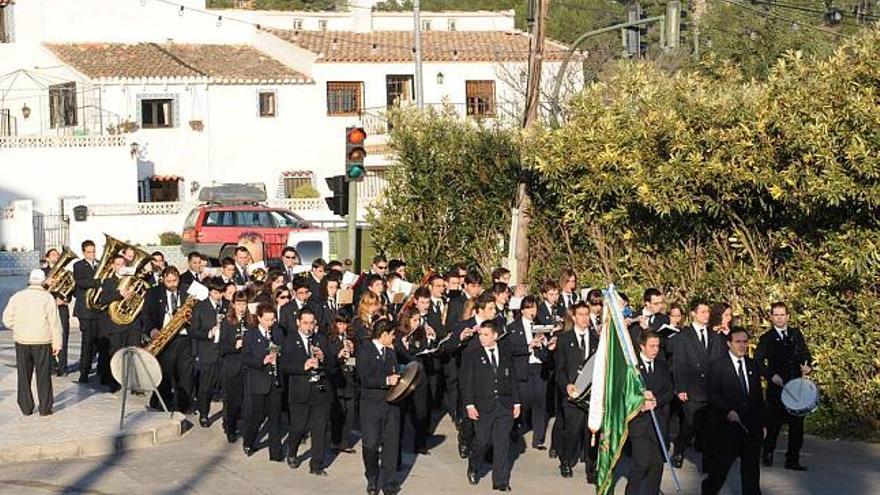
7 125
287 220
426 25
5 23
297 24
62 105
398 88
157 113
480 98
322 24
451 25
165 189
267 103
344 98
190 222
291 184
252 219
219 219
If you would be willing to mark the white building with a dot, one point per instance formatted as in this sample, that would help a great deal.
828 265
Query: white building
131 106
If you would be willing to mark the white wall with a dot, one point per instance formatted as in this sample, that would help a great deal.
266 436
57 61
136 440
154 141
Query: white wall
17 225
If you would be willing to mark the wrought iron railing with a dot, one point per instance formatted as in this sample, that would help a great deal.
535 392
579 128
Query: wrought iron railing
375 119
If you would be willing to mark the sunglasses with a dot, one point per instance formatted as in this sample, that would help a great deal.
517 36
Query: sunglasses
382 267
283 297
290 257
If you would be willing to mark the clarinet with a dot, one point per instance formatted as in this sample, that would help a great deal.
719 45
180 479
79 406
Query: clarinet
316 374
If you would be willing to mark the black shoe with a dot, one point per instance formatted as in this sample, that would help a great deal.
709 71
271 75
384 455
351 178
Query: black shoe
424 451
391 489
230 437
767 458
248 451
501 488
794 466
276 459
463 451
677 460
317 471
203 422
59 372
565 471
592 478
293 461
553 454
83 379
539 446
372 490
49 413
472 477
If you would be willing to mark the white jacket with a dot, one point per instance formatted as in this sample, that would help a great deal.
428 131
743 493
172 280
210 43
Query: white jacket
33 317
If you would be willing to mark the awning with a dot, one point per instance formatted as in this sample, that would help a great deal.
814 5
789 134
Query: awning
303 174
166 178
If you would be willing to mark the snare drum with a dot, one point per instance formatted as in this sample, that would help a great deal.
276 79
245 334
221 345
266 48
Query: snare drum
800 396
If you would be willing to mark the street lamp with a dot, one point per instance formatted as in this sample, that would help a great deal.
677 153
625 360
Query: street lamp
25 111
440 78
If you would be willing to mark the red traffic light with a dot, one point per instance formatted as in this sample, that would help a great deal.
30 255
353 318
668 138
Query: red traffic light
356 135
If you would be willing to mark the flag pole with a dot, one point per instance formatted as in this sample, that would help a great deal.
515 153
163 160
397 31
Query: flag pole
630 357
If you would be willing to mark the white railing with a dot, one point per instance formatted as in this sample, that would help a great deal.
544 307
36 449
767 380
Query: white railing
375 120
62 141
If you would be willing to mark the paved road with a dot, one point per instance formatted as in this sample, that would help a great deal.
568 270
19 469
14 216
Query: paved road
202 462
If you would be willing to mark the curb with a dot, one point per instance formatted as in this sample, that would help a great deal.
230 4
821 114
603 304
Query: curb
172 431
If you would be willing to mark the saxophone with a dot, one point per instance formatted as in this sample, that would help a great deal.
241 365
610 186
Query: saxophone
175 324
64 282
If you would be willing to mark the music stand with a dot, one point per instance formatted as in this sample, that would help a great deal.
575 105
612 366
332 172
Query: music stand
136 369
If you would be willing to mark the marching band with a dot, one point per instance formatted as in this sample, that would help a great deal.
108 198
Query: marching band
307 347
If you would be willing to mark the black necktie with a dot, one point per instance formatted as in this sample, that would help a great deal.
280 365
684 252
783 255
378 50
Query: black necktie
437 307
583 344
650 367
742 378
785 335
384 354
173 303
492 358
703 337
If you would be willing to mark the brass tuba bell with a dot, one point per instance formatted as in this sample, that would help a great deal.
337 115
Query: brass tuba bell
62 282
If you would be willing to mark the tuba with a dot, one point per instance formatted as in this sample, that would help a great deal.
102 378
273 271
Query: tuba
125 311
112 247
175 324
64 283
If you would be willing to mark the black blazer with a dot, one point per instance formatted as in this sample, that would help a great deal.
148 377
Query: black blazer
455 345
343 377
518 345
373 371
325 315
292 361
455 311
570 358
186 279
435 319
485 387
84 276
726 394
204 318
156 303
660 384
110 293
254 349
240 277
775 356
232 362
547 316
289 313
690 368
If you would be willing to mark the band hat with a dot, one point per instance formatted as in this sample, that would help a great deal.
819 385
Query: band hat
36 277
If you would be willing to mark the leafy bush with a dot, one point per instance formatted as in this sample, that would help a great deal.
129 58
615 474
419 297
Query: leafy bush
305 191
169 239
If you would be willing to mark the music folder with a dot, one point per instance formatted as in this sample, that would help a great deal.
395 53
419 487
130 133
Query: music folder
667 330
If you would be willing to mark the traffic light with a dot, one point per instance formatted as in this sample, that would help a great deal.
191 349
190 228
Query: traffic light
355 153
338 203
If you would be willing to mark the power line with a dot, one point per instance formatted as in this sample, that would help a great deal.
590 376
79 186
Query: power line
777 16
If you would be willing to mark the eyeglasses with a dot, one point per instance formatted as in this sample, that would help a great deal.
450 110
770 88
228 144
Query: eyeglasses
283 297
382 267
289 257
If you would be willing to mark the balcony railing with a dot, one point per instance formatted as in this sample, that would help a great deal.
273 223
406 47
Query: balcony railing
375 120
96 141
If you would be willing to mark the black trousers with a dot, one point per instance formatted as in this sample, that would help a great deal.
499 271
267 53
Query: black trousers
380 423
492 429
777 415
310 416
30 358
89 347
233 394
576 437
342 420
533 397
264 407
418 412
726 451
176 361
108 344
694 427
450 391
435 384
209 379
646 470
61 359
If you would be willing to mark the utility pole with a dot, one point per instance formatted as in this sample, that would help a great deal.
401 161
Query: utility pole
699 10
673 24
519 238
417 35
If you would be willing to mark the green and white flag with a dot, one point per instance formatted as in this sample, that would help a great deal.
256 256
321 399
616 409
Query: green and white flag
617 392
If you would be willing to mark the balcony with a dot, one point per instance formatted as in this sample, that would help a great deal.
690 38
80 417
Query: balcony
375 120
73 141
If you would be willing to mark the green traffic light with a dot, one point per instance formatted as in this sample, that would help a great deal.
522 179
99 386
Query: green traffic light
355 172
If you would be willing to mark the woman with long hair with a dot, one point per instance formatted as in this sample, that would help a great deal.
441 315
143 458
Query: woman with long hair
344 379
367 313
720 318
232 328
264 293
411 339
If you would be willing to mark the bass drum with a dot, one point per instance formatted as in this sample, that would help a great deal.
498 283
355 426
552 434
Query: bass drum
800 396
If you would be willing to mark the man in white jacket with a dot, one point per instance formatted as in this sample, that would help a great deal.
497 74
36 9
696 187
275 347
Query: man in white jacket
36 329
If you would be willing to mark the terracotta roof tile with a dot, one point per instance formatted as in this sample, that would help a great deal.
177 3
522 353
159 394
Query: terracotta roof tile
437 46
229 64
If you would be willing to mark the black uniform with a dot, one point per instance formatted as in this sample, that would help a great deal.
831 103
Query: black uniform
310 395
380 421
84 276
489 385
205 317
531 380
417 406
646 470
782 355
176 360
548 314
727 393
454 348
439 361
112 337
264 390
187 278
570 357
690 371
231 374
345 388
288 314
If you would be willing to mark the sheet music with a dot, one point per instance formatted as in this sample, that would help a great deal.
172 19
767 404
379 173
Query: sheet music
348 279
297 269
515 302
255 266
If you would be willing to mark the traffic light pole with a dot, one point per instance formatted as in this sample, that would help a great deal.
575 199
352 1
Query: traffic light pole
351 218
